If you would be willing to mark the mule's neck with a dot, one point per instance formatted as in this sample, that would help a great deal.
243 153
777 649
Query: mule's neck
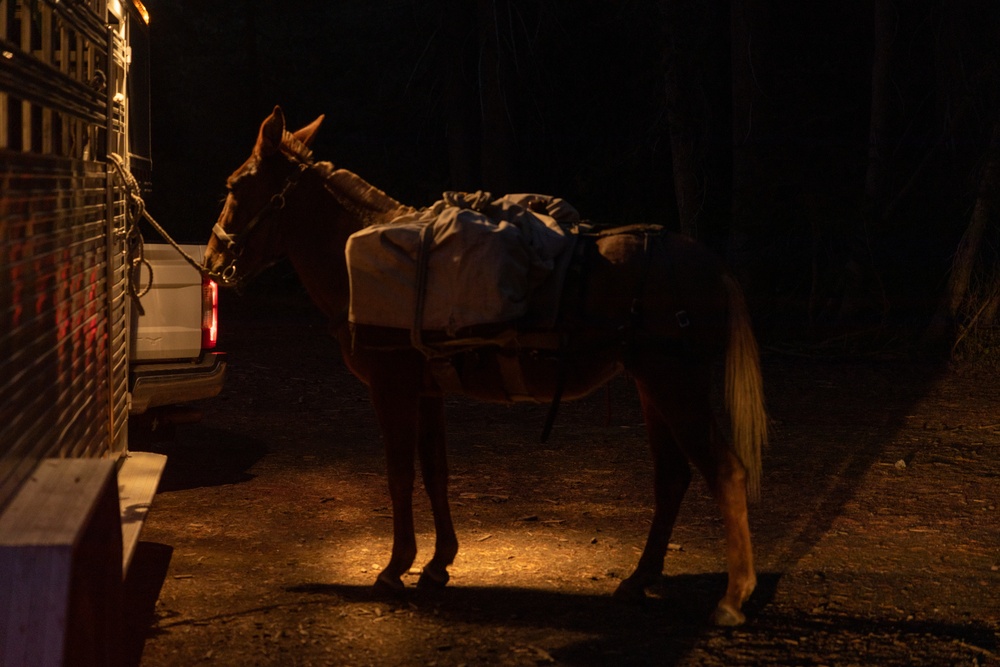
332 205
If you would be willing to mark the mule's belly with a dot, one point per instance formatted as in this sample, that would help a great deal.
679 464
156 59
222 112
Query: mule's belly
526 375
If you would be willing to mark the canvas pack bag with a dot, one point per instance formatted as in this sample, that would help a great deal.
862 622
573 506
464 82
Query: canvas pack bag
466 261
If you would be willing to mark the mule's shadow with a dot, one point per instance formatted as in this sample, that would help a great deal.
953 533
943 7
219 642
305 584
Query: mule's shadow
663 629
834 421
665 625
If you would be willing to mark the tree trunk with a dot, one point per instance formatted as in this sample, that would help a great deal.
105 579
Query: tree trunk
855 299
677 93
694 43
460 93
497 99
875 178
745 94
958 298
478 94
745 19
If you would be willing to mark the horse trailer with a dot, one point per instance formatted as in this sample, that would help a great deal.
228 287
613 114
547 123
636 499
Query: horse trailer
74 112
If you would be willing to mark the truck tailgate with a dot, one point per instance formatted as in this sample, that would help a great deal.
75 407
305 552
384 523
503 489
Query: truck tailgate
171 325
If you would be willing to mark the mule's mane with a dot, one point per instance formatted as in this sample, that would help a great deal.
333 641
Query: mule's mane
362 197
350 189
369 204
291 145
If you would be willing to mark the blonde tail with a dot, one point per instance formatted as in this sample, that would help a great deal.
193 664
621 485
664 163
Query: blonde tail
744 388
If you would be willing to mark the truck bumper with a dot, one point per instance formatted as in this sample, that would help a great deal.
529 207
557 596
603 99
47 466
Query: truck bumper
159 384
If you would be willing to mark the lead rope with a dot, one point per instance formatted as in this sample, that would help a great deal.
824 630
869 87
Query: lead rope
134 210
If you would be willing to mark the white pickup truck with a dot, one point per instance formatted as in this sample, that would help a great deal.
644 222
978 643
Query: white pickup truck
172 355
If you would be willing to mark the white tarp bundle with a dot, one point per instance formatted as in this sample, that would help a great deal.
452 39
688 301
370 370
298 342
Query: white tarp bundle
464 261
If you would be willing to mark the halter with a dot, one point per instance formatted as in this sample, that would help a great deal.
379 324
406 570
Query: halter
236 243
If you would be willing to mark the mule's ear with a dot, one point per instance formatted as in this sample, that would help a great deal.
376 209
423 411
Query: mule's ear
308 133
272 131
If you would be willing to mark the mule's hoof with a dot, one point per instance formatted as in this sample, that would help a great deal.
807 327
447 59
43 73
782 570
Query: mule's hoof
432 581
630 591
727 617
387 585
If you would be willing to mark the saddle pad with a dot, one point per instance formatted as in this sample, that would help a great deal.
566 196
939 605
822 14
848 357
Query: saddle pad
464 262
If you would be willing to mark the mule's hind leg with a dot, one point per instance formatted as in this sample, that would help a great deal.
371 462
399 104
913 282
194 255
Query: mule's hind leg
676 396
434 466
727 479
671 477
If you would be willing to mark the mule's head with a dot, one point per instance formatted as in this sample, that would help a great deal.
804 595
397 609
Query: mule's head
248 237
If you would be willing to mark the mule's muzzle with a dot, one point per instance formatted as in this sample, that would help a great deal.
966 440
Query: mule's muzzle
220 265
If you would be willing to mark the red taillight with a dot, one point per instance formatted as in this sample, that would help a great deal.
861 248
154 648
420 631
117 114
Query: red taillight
209 313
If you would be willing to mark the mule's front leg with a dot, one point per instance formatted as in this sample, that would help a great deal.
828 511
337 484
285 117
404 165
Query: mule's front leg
434 465
397 408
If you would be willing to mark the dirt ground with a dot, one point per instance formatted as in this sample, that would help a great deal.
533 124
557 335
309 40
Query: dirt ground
876 538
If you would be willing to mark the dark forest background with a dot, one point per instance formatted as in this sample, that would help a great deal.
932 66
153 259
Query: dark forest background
843 156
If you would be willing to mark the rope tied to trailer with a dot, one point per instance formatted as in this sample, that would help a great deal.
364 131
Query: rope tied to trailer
135 210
